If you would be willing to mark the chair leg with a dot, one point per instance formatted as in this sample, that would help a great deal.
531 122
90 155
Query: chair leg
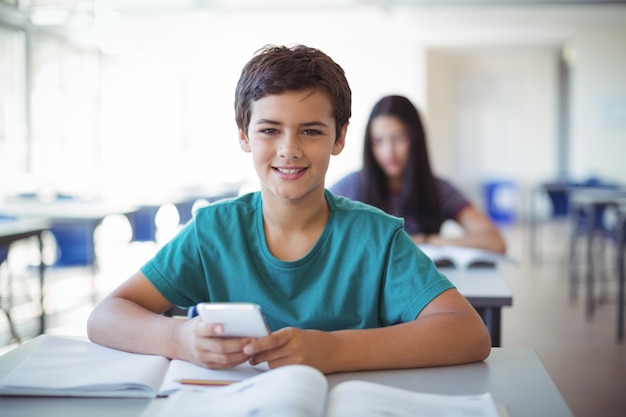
7 310
575 236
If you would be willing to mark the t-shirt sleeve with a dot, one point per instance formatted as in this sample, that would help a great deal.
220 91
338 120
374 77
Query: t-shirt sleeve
412 281
176 269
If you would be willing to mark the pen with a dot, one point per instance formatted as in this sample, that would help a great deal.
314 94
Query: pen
206 382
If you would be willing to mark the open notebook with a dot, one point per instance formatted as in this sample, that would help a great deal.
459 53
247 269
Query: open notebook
75 368
298 390
461 257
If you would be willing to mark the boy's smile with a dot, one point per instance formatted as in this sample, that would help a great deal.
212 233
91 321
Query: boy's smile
291 137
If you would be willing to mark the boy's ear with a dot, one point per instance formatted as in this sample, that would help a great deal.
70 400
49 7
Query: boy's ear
243 141
340 142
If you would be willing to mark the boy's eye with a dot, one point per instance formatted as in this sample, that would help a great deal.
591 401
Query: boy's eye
311 132
269 131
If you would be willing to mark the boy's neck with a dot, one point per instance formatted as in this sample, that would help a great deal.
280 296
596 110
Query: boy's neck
292 227
294 214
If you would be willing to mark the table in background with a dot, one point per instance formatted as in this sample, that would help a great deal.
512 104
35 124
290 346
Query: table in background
515 377
73 223
566 199
621 268
487 291
18 229
587 206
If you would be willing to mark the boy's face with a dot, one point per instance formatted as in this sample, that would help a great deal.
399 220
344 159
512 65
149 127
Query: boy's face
291 137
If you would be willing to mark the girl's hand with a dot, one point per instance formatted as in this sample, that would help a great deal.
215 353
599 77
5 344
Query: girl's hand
419 238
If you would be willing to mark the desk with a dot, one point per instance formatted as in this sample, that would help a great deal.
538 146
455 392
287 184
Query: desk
487 292
73 223
14 230
621 268
587 205
516 379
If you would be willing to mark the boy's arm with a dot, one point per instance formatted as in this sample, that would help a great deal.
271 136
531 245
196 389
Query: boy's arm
448 331
130 319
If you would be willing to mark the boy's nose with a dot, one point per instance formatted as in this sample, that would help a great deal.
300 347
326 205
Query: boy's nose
289 147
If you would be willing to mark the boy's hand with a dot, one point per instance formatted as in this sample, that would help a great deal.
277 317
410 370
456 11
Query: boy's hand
290 346
206 347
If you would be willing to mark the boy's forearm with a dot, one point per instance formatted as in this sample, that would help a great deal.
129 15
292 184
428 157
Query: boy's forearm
442 339
123 325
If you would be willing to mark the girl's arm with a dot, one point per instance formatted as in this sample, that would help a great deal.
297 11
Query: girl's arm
479 232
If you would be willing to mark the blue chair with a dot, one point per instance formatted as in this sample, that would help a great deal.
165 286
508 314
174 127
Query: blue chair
143 223
558 193
75 244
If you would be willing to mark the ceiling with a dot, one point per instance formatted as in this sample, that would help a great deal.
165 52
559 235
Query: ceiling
59 12
156 6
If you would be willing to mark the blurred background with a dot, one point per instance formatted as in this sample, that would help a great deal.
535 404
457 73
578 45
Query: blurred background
112 98
121 113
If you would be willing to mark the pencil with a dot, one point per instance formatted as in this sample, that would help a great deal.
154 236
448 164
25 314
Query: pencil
205 382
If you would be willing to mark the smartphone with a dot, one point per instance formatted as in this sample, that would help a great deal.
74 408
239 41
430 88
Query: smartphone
238 319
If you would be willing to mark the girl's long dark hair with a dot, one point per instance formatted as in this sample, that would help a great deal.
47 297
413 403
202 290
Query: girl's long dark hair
419 195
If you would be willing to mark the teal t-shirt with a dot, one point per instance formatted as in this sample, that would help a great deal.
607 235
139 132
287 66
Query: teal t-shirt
363 272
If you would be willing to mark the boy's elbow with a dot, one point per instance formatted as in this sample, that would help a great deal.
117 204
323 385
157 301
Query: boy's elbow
501 246
481 344
92 326
483 347
476 342
95 324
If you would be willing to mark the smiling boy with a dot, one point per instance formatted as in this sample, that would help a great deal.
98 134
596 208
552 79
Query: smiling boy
341 284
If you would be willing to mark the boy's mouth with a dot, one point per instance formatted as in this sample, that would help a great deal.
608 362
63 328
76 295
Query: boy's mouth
289 171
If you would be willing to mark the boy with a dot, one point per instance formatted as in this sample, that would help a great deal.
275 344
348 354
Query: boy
341 284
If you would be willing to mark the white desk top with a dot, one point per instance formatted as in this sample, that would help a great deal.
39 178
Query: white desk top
19 227
65 210
582 196
516 379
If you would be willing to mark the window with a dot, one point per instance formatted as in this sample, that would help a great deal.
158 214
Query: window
13 128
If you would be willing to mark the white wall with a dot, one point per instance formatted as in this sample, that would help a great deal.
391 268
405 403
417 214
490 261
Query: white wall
493 114
599 102
196 59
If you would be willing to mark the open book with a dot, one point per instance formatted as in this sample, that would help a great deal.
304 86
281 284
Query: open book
302 391
68 367
462 257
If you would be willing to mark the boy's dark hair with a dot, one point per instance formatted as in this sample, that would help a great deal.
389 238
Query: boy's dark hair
276 69
419 193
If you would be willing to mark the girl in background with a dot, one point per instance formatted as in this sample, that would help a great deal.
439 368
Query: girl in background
397 178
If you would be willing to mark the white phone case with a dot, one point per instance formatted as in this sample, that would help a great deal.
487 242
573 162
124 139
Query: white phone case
238 319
